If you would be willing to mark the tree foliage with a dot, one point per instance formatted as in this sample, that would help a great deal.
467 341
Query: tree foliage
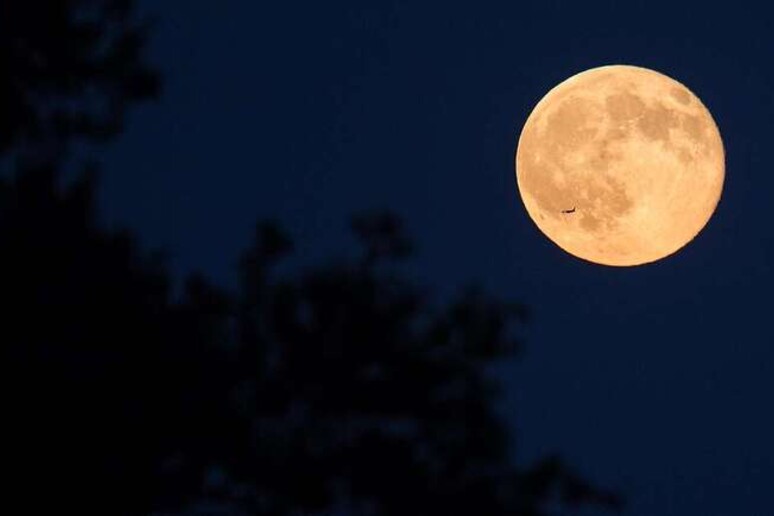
336 388
70 69
339 389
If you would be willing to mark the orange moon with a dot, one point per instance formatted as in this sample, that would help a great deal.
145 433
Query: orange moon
620 165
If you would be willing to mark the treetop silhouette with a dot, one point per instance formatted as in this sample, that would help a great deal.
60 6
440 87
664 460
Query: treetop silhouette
339 389
70 69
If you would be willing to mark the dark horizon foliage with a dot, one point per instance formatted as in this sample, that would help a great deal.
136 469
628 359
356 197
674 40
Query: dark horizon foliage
338 389
70 71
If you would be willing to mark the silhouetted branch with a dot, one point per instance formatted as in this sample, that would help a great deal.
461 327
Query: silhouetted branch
70 70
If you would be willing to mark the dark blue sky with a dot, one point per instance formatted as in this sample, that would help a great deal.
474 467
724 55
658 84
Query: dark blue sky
656 380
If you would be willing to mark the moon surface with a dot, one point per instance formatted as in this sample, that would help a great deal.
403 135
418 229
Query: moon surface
620 165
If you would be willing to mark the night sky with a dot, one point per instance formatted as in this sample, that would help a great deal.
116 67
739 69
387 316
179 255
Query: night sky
653 380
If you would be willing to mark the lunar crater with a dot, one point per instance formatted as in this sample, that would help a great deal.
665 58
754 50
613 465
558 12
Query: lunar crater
680 95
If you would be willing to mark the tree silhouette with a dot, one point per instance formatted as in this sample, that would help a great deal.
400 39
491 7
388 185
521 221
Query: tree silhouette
70 69
340 389
361 397
86 317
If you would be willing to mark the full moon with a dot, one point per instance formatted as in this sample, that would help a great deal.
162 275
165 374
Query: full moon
620 165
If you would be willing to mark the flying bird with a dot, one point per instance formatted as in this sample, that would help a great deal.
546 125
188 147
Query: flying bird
569 211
